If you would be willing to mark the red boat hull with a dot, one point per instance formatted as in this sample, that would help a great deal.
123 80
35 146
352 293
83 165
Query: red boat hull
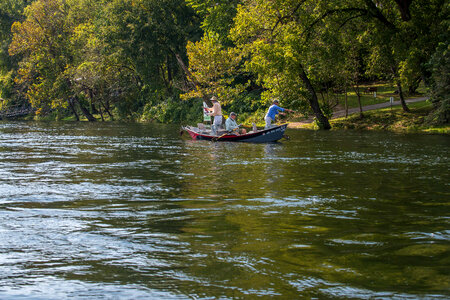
264 136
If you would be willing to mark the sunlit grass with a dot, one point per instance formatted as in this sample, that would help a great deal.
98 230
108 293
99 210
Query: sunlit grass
394 119
387 119
384 92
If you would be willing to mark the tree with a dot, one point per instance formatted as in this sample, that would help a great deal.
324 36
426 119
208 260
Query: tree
148 34
124 57
100 57
353 69
43 52
145 37
426 29
439 66
43 39
217 16
10 12
213 68
270 33
401 35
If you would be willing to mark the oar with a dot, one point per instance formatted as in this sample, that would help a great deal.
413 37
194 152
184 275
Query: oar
216 139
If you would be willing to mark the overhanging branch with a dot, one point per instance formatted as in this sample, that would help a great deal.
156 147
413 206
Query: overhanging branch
372 11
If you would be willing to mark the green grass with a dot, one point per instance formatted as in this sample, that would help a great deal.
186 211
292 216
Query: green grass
393 120
385 91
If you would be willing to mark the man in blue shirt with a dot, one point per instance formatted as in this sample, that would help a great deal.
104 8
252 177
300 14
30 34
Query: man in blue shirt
274 109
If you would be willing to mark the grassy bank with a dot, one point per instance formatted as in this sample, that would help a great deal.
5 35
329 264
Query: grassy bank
385 90
388 119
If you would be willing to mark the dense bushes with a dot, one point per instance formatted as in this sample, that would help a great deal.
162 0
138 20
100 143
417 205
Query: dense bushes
440 93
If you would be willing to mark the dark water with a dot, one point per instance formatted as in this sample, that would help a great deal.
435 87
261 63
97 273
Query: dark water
129 211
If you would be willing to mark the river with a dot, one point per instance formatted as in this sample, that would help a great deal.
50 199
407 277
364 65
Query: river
134 211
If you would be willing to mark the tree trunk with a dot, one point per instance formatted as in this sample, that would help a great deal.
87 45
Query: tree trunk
358 94
169 70
73 109
101 112
106 109
91 100
85 111
402 98
360 106
193 79
412 89
346 102
403 6
313 101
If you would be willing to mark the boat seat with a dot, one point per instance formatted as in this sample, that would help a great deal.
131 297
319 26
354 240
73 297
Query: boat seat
202 128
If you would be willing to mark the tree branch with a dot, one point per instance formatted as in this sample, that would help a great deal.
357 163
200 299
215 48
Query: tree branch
334 11
281 18
371 10
403 6
376 13
349 19
192 78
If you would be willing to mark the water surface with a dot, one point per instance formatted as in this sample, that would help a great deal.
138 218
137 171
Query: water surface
132 211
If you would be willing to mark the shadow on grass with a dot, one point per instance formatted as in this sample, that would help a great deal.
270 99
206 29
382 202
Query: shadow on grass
392 120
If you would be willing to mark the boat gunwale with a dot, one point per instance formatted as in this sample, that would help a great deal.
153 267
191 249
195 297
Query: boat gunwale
232 137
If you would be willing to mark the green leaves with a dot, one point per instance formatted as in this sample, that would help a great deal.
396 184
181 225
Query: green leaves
103 51
271 33
42 38
217 15
215 68
117 54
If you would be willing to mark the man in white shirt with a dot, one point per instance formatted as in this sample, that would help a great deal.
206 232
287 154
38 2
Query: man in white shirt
216 112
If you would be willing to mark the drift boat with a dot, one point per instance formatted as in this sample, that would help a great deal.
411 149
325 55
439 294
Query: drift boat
259 136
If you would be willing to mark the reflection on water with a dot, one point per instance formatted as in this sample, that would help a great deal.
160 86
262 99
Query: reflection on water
132 211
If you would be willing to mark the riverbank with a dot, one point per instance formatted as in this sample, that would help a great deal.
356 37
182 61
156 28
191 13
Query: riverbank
386 119
379 116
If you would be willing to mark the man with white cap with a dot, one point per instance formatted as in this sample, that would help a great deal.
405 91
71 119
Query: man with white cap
216 112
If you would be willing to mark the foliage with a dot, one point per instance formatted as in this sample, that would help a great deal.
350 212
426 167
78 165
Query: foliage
440 96
172 110
10 11
217 15
100 57
215 68
272 35
120 59
43 41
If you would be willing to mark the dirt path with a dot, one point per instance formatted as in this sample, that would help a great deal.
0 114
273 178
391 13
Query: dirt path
341 113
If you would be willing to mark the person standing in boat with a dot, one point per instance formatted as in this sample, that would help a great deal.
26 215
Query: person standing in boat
273 110
231 125
216 112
